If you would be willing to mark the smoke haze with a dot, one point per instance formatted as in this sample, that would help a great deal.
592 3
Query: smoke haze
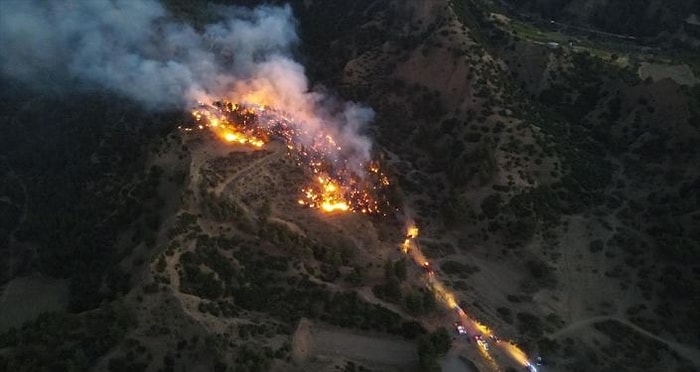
137 49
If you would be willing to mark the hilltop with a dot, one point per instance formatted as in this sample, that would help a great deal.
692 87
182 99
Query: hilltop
554 184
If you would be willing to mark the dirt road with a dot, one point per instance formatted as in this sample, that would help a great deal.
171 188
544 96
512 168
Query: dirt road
312 340
688 352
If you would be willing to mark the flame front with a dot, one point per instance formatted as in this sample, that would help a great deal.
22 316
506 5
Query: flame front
226 129
337 186
326 194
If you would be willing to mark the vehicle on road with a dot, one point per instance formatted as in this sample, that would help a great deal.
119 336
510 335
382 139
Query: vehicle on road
428 268
481 341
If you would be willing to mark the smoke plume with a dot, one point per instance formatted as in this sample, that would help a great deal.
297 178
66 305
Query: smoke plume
137 49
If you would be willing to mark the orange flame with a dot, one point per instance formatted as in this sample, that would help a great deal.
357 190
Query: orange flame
326 194
225 129
411 233
336 188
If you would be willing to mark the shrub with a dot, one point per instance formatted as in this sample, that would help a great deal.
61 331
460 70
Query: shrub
491 205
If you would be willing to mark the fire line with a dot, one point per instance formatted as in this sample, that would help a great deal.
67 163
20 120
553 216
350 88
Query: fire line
338 186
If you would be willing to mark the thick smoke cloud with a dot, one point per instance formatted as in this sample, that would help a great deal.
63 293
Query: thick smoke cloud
135 48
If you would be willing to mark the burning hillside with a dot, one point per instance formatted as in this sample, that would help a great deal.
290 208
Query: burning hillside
339 184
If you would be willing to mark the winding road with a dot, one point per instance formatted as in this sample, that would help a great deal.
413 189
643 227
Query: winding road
688 352
250 168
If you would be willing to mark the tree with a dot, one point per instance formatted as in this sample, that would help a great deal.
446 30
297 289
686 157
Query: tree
392 289
400 269
455 209
392 285
491 205
389 269
529 325
355 277
335 259
428 301
442 340
414 302
431 347
265 210
161 264
542 273
427 356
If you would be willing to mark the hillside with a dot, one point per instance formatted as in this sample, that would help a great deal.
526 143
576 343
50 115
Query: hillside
555 187
605 145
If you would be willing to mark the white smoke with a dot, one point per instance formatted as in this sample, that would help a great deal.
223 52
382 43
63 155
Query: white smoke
137 49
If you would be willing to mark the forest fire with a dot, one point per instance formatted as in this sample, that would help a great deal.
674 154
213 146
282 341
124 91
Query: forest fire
330 198
227 130
338 186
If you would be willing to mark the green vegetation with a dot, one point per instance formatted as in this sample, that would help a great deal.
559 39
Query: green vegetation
252 359
529 32
491 205
458 268
135 357
437 249
432 346
391 289
63 341
420 302
87 193
416 301
82 159
197 282
206 284
631 351
542 273
529 325
505 314
261 282
596 245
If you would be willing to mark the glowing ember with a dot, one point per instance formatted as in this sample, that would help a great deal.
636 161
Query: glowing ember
326 195
242 139
338 185
412 232
226 129
334 206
